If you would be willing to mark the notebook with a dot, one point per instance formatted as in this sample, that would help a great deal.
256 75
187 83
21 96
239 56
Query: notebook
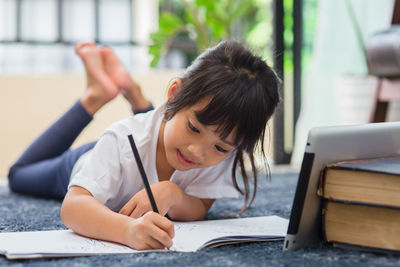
189 237
328 145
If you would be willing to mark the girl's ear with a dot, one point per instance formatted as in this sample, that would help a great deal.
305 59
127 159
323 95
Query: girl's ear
174 88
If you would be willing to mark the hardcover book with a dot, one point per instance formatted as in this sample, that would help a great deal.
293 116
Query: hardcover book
361 206
371 181
365 227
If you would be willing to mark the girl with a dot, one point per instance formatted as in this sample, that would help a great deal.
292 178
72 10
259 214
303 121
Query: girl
191 146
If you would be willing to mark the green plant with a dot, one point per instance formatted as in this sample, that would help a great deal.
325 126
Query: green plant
206 22
258 28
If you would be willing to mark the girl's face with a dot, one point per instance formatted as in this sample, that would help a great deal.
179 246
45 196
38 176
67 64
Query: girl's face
188 144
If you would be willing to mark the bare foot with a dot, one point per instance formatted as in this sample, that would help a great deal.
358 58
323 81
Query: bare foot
120 76
101 88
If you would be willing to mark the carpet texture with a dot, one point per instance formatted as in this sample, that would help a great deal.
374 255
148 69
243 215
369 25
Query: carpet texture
22 213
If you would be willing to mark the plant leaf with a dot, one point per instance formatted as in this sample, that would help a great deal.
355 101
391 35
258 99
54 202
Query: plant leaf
169 25
241 8
169 22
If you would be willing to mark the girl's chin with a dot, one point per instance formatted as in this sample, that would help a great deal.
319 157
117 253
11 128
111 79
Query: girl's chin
179 167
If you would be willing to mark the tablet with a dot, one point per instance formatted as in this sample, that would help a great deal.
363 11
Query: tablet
328 145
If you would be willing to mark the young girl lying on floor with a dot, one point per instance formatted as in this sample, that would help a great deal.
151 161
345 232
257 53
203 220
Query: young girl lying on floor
192 146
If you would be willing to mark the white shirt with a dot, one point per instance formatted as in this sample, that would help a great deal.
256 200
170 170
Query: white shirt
110 173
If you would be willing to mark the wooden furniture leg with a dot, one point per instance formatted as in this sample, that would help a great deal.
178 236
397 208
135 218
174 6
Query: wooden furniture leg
387 90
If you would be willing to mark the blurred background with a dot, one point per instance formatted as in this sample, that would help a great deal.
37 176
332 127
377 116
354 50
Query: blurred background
317 47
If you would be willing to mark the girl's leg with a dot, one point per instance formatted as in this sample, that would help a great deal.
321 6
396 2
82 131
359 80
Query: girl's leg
58 137
48 178
101 88
44 168
129 88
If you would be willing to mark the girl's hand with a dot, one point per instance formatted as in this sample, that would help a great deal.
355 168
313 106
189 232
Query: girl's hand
152 231
165 194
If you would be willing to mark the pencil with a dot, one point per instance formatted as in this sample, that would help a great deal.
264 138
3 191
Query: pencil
143 173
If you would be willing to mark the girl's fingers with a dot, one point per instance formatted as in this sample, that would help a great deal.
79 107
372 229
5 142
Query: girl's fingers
159 237
137 212
152 243
160 228
151 231
128 208
166 225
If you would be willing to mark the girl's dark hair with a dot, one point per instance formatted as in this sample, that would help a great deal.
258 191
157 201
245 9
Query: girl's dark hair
244 93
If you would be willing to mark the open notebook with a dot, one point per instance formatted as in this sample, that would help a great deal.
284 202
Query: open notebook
189 237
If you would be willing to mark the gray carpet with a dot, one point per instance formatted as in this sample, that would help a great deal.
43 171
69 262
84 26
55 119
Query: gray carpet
22 213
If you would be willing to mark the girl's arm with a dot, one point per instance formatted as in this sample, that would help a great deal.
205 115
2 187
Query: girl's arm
87 216
171 199
190 208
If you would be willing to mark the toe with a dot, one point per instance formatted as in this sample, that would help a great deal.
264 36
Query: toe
82 45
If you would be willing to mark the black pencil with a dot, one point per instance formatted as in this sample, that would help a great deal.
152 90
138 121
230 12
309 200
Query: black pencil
143 173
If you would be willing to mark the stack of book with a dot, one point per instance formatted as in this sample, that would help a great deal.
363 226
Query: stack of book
361 204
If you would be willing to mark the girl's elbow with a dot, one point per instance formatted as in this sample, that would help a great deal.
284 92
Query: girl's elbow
65 212
69 208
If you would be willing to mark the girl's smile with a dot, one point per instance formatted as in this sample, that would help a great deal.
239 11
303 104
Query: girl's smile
183 159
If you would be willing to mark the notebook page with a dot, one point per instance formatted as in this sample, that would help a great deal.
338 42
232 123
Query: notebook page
191 236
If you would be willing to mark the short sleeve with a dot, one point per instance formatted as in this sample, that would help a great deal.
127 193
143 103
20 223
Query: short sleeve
100 170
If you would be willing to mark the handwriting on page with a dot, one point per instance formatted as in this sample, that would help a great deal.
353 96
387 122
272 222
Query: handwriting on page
89 245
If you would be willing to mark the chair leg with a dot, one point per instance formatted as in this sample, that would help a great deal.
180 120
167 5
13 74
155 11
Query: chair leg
380 111
379 108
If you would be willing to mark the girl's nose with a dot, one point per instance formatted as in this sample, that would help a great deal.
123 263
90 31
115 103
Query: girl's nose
198 152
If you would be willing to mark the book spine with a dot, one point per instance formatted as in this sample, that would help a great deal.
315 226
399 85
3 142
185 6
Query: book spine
324 209
321 184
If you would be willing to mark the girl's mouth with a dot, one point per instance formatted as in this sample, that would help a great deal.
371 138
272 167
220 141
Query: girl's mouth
183 160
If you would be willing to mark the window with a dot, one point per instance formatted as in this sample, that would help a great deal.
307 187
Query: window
38 36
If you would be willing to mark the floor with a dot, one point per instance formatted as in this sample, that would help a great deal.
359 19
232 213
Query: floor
3 181
25 213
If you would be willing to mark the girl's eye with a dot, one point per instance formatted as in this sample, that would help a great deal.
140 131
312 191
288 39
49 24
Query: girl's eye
194 129
220 149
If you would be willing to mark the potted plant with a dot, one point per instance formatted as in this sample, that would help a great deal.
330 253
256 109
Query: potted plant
203 22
